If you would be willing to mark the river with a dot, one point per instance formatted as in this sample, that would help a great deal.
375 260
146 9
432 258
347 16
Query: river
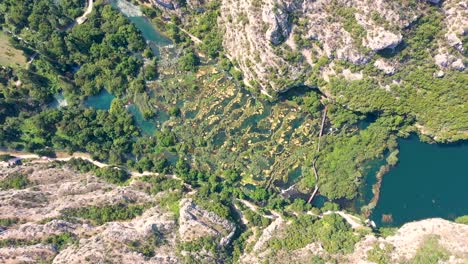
154 38
430 180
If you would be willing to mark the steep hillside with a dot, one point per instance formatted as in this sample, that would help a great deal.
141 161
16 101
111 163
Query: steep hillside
64 216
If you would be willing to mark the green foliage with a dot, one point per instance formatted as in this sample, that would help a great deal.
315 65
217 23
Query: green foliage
430 252
342 156
350 23
101 215
15 181
6 222
174 111
160 183
189 61
387 231
380 255
331 231
256 219
195 247
60 241
81 165
147 246
5 157
113 174
462 219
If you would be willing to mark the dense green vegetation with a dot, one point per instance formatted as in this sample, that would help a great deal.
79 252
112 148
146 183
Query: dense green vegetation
15 181
380 255
103 214
59 241
331 231
462 219
430 252
6 222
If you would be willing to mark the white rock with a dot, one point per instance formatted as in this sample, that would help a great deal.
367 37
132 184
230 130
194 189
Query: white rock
454 41
382 39
458 65
384 66
439 74
442 60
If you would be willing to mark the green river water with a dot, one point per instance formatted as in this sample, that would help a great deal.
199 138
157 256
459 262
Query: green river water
430 180
101 101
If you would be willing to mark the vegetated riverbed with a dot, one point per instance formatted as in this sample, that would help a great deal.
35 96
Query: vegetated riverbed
429 180
155 40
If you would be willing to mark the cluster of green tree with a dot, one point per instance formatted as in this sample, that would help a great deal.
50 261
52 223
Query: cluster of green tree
256 219
104 134
104 214
59 241
462 219
15 181
380 255
147 246
430 251
420 96
79 59
5 157
6 222
331 231
161 183
342 156
206 244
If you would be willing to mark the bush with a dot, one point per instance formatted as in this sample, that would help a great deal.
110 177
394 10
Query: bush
462 219
15 181
113 174
189 61
101 215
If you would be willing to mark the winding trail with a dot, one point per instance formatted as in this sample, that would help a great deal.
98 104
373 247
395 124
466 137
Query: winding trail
80 20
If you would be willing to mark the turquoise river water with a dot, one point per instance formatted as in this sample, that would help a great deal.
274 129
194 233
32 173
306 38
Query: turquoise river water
430 180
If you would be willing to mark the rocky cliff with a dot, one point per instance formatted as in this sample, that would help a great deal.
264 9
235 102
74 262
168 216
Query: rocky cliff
276 42
39 228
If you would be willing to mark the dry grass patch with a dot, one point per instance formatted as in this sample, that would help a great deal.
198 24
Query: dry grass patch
9 56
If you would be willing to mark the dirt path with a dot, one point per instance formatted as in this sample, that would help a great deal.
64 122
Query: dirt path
192 37
80 20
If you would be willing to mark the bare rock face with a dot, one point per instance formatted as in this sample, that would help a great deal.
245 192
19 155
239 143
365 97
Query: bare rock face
196 223
455 20
280 28
384 66
447 60
379 40
59 189
112 242
259 35
451 236
27 254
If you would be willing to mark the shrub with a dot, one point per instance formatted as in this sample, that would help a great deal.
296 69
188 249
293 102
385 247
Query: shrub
15 181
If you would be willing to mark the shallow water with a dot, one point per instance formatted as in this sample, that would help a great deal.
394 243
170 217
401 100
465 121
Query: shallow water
146 126
101 101
430 180
153 37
